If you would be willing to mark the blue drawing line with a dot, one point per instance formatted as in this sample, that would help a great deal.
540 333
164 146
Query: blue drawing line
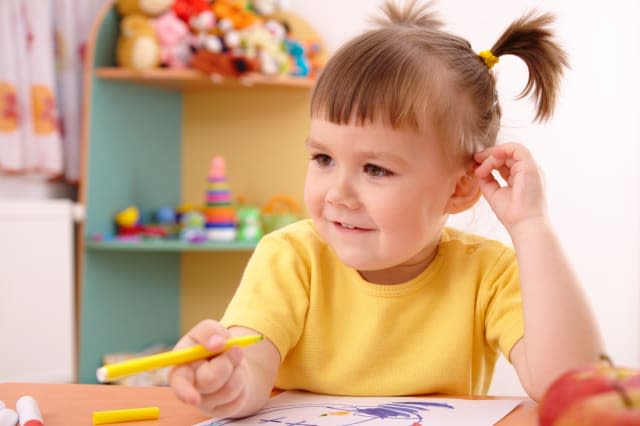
407 410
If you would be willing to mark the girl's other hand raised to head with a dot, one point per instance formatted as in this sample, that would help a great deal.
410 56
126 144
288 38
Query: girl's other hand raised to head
521 198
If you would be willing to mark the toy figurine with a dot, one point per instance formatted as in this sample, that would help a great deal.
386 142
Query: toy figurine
193 230
249 224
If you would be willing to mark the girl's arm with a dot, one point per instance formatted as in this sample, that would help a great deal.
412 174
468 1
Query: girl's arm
560 331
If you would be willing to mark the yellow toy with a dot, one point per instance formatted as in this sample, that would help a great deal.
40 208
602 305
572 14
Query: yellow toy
149 8
138 46
128 217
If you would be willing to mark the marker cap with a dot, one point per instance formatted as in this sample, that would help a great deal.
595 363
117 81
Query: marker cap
28 411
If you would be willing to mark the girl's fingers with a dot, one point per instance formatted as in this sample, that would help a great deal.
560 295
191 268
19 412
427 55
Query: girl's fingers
181 378
488 185
208 333
505 172
213 375
490 163
224 399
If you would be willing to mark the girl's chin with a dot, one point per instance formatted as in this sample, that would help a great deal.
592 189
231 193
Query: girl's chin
359 262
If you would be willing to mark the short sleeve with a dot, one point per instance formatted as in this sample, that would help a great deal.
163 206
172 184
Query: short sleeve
503 317
272 297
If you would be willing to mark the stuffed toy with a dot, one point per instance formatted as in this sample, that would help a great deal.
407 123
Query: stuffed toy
175 40
265 43
187 9
266 7
237 14
218 65
301 65
138 46
150 8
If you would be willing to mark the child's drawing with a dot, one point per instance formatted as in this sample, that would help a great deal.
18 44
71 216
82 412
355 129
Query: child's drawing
303 409
396 413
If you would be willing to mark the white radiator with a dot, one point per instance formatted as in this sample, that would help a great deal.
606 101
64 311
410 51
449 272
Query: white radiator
37 320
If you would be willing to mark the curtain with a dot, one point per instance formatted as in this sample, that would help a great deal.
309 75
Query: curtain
42 45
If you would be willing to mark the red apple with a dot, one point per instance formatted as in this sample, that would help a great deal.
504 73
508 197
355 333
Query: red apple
599 394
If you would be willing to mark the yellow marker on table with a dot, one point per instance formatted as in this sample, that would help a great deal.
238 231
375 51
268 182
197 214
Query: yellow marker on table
128 415
111 372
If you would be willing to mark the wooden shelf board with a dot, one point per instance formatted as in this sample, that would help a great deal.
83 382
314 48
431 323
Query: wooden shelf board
168 246
183 79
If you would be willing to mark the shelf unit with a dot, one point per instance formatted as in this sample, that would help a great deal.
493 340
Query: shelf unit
148 138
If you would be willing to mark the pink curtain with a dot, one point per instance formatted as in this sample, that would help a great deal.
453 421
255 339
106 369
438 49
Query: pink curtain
42 44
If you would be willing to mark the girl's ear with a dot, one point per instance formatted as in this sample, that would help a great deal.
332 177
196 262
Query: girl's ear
466 194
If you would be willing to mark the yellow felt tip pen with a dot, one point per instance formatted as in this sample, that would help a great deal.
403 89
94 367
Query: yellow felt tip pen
127 415
115 371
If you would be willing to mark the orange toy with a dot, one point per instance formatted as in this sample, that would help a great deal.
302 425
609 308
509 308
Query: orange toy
240 17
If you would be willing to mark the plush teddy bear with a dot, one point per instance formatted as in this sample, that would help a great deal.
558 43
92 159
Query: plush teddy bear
138 46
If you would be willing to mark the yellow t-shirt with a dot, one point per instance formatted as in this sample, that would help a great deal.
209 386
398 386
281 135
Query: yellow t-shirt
339 334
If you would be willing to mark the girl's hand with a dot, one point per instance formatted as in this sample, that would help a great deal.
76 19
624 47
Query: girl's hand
217 386
522 199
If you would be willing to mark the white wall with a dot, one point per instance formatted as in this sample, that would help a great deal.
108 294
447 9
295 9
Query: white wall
589 152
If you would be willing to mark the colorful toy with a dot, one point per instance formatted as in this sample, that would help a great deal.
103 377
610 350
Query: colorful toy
193 227
264 43
266 7
249 224
166 215
279 211
218 65
219 212
129 223
175 40
128 218
301 65
239 16
188 9
138 46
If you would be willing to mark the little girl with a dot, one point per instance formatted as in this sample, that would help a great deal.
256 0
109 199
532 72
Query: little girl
373 295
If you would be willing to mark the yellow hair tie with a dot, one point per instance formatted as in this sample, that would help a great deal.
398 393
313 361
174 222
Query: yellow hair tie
489 58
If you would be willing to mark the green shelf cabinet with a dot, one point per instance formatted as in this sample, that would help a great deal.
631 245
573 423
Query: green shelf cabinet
129 294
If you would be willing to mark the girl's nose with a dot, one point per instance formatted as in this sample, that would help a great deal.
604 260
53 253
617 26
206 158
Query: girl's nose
342 192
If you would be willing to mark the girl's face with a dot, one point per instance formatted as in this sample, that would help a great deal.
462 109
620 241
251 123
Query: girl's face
378 196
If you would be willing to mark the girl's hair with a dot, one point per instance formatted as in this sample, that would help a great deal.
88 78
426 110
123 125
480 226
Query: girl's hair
410 74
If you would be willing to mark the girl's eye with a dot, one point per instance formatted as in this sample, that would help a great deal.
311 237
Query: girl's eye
376 171
323 160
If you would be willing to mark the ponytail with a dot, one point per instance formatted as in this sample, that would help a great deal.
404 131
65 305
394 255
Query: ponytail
530 39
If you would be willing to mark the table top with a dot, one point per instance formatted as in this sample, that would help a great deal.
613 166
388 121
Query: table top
73 404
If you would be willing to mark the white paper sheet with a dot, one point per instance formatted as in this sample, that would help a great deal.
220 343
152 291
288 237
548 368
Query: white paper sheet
301 408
